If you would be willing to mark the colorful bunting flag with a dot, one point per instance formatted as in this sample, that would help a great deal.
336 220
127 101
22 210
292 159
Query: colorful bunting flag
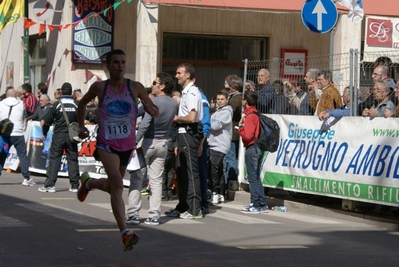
10 12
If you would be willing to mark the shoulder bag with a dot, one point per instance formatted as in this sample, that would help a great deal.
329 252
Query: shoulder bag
73 128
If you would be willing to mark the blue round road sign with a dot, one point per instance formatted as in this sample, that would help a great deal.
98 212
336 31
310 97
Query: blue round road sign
319 16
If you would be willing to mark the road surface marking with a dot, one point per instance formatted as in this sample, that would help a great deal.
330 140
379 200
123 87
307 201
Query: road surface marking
272 247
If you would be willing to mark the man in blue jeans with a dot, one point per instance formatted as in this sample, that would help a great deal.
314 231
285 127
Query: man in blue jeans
14 109
234 85
248 130
203 155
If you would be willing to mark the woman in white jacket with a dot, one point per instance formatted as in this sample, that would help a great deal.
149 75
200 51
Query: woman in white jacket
219 144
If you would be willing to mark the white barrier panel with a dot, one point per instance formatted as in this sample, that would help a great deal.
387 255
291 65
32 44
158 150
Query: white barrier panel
38 153
357 159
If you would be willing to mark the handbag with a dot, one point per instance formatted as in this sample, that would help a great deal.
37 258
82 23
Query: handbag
6 125
73 128
138 161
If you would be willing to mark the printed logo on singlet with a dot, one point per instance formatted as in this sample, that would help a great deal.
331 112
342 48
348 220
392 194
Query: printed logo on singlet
118 108
119 126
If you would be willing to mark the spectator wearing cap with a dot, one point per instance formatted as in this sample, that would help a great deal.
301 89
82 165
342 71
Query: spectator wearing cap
30 100
61 141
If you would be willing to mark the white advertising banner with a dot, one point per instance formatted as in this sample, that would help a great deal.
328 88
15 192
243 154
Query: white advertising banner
356 159
39 151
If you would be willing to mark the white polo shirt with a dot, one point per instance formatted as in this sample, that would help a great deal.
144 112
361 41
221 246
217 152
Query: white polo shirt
191 100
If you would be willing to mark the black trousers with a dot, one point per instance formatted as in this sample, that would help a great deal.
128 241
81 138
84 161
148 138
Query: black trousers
188 179
216 171
59 142
167 176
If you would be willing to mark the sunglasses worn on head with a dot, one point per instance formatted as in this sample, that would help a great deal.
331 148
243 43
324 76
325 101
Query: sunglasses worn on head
77 90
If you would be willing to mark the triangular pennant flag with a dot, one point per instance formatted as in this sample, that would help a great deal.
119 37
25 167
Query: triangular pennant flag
129 1
117 4
48 81
42 27
85 19
105 11
59 27
66 52
53 75
73 67
89 75
50 27
97 14
59 63
67 25
75 24
28 23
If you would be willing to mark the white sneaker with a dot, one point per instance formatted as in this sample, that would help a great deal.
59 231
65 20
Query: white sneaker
220 199
29 182
48 189
73 190
215 198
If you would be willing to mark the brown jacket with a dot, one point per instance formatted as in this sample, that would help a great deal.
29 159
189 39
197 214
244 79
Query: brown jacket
236 103
329 99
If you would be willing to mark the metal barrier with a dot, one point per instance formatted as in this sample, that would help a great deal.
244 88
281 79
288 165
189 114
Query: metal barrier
353 69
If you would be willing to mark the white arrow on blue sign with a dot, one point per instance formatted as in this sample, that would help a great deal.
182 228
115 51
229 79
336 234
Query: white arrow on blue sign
319 15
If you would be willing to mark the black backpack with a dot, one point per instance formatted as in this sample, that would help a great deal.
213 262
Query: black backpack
6 126
269 134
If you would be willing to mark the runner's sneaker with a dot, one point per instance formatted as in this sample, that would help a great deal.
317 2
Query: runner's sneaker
135 219
73 190
129 239
82 191
48 189
29 182
152 220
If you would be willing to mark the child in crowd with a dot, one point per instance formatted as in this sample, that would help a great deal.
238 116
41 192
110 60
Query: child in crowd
219 144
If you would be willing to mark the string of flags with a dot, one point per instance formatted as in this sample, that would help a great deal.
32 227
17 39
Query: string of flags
42 26
51 77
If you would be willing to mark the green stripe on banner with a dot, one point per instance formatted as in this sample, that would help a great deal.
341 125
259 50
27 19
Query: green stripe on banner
334 188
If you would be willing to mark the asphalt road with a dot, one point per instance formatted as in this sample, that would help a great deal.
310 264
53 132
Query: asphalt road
55 229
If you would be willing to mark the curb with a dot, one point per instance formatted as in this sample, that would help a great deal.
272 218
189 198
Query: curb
330 209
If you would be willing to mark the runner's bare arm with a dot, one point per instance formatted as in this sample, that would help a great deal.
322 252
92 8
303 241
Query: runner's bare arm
141 93
94 91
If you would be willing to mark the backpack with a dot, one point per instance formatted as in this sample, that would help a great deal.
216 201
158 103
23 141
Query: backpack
269 134
6 126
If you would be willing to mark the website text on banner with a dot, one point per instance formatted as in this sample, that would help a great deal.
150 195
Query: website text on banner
356 159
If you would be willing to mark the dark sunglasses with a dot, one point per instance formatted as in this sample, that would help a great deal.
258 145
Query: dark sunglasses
154 83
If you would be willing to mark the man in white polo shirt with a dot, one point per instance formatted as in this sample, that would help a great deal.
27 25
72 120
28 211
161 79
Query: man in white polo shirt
190 135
